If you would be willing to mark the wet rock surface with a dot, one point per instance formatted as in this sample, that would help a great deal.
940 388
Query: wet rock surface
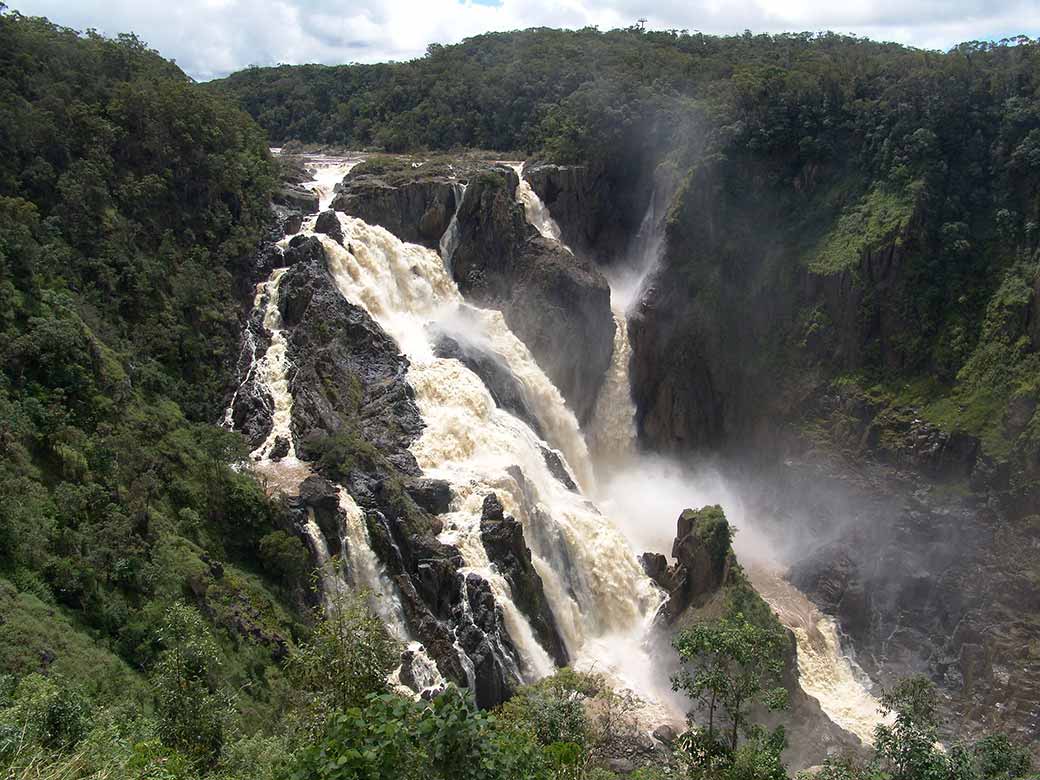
557 303
503 538
347 374
415 204
703 561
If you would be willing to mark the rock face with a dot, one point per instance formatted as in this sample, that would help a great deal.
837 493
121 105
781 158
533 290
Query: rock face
296 197
558 304
328 223
416 205
503 539
598 210
703 561
354 417
348 375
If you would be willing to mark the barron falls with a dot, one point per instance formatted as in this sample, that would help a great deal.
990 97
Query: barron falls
485 500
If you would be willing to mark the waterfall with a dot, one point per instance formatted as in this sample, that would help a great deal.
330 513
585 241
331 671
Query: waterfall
825 671
612 430
364 569
274 370
593 583
536 211
450 239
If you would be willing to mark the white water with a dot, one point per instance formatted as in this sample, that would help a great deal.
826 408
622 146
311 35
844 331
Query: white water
592 580
598 594
450 240
274 369
634 488
536 211
612 430
825 672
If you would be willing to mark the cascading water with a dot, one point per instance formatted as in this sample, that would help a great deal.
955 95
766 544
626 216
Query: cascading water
363 569
536 211
593 583
274 370
826 673
450 239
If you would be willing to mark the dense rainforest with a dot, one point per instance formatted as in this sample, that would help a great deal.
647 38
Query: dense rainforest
158 615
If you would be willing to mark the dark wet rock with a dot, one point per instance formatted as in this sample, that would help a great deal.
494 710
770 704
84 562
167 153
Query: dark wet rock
482 635
584 203
279 449
252 407
655 566
703 560
296 197
503 538
557 303
328 223
415 204
557 468
432 495
507 392
665 734
348 376
321 497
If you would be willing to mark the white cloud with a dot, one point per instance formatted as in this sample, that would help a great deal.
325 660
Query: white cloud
210 38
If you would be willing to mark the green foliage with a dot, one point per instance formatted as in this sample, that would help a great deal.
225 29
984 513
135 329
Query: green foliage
876 222
393 738
732 662
192 711
46 712
347 658
908 747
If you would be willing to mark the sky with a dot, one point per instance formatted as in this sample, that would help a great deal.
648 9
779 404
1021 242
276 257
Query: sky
211 38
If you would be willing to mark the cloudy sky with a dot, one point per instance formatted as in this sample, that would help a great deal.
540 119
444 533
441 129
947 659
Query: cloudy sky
210 38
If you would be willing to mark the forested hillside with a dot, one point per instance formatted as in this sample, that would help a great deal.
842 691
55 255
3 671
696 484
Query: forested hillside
852 233
128 200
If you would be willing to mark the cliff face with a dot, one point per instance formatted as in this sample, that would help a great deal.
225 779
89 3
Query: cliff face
557 303
759 340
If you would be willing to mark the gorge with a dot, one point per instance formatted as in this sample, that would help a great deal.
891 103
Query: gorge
559 405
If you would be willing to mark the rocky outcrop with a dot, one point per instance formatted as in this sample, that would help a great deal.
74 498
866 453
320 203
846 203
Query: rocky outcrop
557 303
432 495
348 376
295 197
503 538
703 561
328 223
415 204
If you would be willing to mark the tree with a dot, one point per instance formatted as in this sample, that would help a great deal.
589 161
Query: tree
193 712
348 658
732 664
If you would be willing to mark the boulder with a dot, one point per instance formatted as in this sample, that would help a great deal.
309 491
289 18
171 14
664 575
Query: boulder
703 558
665 734
328 223
503 539
432 495
296 197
